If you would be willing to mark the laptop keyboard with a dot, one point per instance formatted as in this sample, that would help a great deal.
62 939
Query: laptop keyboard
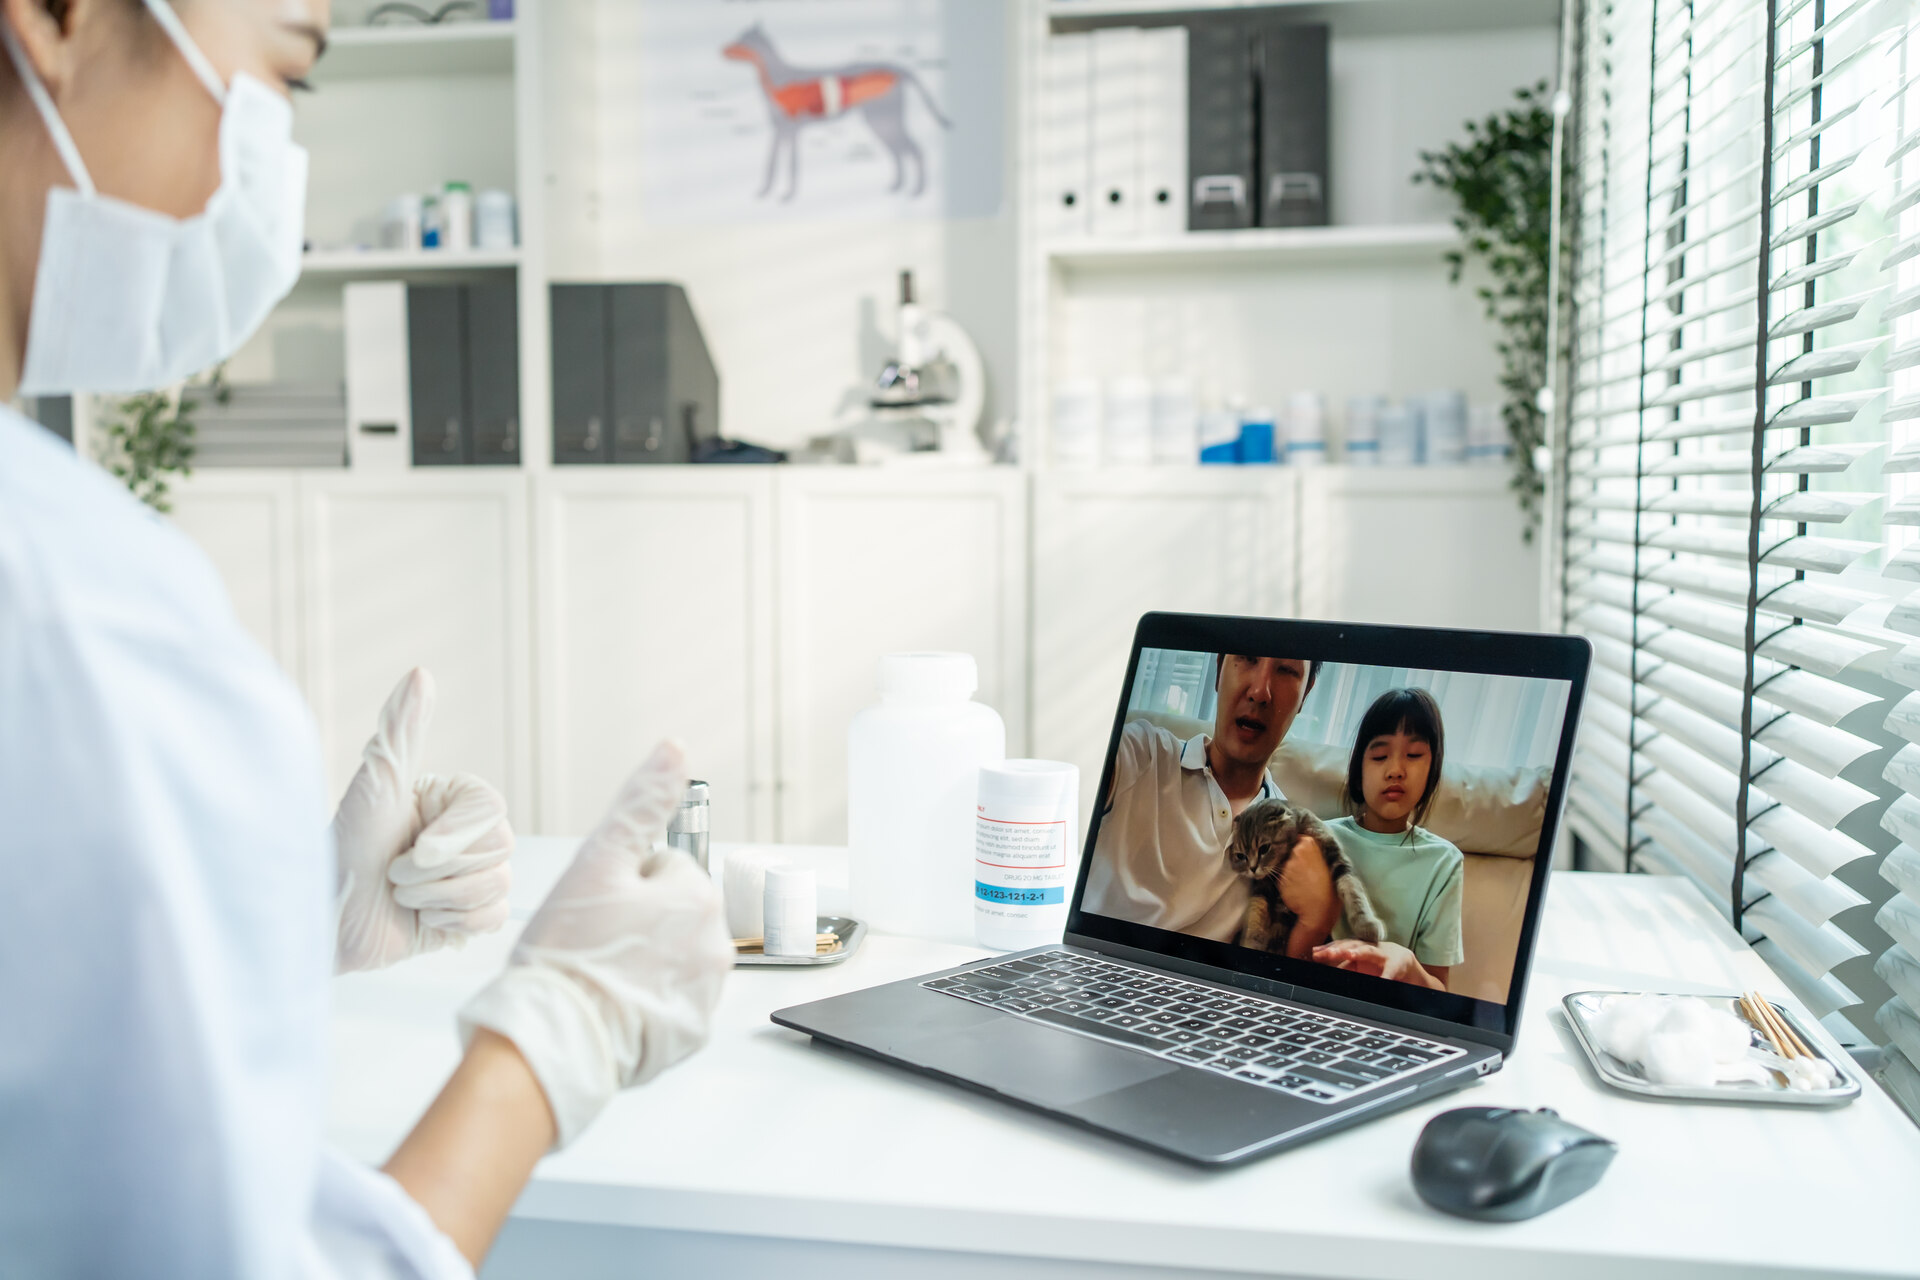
1302 1052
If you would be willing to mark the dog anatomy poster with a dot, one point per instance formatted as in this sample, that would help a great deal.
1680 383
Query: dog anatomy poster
806 109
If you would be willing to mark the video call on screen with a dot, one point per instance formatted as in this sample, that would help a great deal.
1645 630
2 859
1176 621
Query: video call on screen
1382 820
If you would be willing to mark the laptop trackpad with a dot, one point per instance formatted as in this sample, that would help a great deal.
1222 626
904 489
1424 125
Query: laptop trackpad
1034 1063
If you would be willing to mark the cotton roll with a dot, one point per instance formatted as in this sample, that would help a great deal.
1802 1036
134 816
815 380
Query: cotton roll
791 901
743 888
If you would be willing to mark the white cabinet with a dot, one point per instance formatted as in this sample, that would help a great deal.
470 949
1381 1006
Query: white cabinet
574 617
246 522
421 570
655 619
872 562
1109 546
1422 546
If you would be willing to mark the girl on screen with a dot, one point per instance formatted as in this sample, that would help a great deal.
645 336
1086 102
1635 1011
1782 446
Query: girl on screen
1413 876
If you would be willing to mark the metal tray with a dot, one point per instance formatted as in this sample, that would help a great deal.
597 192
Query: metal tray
848 930
1581 1006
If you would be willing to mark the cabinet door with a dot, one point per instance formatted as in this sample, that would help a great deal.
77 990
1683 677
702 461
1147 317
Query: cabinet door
1110 546
1422 546
426 569
245 522
879 561
656 620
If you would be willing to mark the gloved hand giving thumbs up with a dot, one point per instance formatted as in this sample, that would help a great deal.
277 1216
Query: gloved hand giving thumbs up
423 859
618 972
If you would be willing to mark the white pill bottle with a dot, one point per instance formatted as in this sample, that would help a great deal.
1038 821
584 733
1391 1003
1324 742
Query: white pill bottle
1026 852
913 767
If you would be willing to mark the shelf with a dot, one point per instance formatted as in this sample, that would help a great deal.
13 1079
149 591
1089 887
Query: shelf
448 49
1346 17
1254 246
400 262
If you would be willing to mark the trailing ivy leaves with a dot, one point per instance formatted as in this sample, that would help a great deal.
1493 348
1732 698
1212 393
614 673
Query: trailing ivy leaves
150 437
1501 177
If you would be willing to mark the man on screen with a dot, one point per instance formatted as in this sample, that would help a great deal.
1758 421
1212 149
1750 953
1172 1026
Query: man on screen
1164 831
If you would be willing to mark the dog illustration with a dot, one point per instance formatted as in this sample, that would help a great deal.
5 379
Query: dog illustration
1263 839
800 96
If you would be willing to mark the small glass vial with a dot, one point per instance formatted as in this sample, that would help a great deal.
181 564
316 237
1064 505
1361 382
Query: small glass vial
692 823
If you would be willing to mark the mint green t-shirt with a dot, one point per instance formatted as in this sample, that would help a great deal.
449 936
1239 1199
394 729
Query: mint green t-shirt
1414 883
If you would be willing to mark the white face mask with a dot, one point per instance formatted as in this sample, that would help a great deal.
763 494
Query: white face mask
126 299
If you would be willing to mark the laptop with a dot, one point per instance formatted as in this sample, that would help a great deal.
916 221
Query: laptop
1213 1000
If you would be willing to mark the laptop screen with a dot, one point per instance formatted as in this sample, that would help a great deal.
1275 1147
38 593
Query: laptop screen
1373 829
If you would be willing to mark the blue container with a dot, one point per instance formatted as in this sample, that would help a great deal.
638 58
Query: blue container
1256 443
1226 454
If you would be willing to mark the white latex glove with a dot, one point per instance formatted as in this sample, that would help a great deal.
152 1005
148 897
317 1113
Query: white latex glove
618 972
423 860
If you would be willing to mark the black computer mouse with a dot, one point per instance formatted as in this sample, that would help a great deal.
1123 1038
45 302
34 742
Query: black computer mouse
1502 1165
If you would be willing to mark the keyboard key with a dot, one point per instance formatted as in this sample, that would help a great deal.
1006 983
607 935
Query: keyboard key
1111 1002
1229 1064
1194 1024
1375 1043
1119 1035
1018 1006
1189 1054
1183 1007
1213 1046
1252 1042
1316 1057
1123 1020
1293 1082
1316 1095
1240 1024
1254 1076
1181 1037
1359 1070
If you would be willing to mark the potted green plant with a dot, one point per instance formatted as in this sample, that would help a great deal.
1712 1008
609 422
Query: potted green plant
149 438
1500 177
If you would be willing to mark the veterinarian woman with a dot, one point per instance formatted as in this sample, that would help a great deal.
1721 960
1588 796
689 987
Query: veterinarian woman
170 899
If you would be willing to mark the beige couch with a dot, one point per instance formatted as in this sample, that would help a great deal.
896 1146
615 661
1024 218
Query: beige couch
1493 815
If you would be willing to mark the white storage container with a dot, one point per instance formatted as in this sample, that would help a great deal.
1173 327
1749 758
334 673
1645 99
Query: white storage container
1077 412
1128 434
1362 444
1306 429
913 774
1176 421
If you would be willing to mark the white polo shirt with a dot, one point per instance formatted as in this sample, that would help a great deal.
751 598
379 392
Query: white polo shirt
1161 859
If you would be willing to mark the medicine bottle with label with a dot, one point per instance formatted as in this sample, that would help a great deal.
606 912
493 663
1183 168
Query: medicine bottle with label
1026 852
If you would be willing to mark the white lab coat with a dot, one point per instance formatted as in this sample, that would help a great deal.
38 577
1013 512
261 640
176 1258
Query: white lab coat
166 917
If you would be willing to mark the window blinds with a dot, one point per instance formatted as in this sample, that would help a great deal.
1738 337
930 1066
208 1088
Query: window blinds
1738 523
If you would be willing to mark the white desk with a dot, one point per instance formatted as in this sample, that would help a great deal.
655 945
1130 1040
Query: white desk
768 1155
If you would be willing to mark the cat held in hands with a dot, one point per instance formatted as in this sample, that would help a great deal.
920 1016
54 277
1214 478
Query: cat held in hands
1265 837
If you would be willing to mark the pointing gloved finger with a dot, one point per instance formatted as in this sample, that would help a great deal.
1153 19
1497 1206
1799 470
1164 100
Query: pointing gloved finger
397 744
469 892
463 824
645 804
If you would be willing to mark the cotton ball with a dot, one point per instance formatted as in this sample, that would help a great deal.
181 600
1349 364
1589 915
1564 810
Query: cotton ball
1678 1057
1624 1022
1728 1037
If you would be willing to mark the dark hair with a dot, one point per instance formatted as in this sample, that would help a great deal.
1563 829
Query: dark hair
1409 711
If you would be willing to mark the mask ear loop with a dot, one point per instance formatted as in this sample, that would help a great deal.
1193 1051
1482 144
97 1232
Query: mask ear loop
177 32
49 115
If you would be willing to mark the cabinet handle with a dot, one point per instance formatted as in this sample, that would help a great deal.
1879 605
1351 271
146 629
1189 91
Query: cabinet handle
592 440
450 442
510 440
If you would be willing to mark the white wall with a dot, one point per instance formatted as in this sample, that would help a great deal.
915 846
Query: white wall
798 315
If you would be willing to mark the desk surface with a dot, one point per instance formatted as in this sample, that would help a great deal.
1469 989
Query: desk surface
764 1133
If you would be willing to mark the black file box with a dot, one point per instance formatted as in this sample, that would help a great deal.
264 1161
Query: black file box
1292 67
633 381
436 358
1221 105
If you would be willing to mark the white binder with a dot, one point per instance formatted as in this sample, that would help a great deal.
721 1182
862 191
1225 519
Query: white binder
1065 158
1117 85
1163 130
379 386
